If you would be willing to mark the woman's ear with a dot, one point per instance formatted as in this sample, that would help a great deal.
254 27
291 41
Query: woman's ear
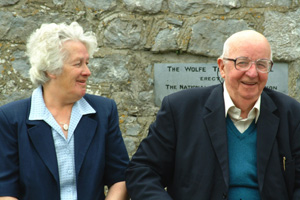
221 67
50 75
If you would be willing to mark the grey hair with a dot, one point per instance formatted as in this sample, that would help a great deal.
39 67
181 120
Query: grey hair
45 48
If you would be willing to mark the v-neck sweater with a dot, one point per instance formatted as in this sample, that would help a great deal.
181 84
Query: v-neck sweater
243 183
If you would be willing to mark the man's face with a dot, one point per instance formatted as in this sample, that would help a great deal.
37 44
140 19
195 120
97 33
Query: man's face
245 86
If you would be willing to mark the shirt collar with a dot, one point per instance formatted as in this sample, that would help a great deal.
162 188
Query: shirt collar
39 111
234 111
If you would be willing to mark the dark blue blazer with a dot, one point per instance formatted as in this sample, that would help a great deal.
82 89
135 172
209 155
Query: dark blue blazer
28 164
186 149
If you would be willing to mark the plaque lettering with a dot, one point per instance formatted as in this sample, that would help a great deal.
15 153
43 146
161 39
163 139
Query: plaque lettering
172 77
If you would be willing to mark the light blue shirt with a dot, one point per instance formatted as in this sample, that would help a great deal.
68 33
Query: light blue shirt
64 147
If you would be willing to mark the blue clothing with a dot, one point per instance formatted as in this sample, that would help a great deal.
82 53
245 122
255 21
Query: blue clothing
29 164
242 157
64 147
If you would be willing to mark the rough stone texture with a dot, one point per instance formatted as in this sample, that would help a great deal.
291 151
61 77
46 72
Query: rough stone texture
207 35
59 2
20 63
8 2
166 40
143 6
285 43
109 69
100 4
189 7
133 35
268 3
123 34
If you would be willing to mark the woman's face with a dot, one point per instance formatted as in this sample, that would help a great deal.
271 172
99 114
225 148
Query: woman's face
73 79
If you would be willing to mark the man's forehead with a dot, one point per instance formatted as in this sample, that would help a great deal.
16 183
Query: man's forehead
248 47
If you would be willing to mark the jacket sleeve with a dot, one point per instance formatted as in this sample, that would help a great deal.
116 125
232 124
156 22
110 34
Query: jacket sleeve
296 152
151 168
116 156
9 167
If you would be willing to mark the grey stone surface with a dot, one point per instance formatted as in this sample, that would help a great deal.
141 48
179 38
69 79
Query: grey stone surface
166 40
123 34
20 63
174 21
284 37
146 96
16 28
109 69
192 7
1 69
130 145
209 35
133 129
59 2
8 2
143 6
268 3
100 4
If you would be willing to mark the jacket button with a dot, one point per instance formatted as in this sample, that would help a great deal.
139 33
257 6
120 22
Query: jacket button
224 196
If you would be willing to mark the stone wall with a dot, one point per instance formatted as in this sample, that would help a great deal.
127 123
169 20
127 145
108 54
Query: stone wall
135 34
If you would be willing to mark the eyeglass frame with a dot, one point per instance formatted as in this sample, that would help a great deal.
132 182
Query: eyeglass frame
246 69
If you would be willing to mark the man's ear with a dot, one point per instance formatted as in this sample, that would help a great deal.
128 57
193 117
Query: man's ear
221 67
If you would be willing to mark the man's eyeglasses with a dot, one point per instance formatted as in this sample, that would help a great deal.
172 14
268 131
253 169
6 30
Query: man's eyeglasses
244 63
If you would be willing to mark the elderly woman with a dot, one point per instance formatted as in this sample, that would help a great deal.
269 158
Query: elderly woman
61 143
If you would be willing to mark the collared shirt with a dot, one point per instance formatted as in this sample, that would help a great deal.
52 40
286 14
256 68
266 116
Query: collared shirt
64 147
235 113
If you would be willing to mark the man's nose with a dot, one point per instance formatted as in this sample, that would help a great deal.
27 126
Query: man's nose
252 71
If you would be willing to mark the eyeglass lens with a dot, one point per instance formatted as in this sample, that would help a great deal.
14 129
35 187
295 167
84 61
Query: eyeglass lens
262 65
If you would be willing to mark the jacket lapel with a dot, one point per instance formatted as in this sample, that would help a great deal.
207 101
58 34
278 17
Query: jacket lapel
216 126
42 140
267 127
41 137
83 134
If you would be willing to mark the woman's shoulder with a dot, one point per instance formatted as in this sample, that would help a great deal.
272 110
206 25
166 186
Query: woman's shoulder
17 108
16 105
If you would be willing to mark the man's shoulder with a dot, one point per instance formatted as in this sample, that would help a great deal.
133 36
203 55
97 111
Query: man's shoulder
281 100
279 97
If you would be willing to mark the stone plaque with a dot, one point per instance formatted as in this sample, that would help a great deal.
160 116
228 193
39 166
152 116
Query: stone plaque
172 77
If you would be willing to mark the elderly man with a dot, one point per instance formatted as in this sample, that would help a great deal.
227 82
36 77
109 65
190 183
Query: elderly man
236 140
